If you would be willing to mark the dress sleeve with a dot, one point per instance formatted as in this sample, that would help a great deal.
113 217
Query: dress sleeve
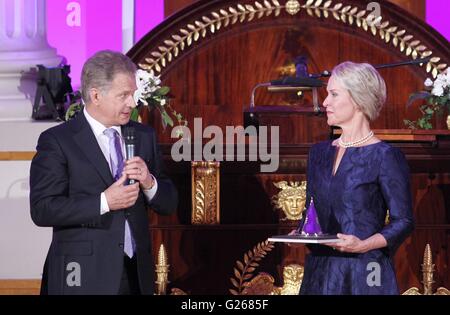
395 187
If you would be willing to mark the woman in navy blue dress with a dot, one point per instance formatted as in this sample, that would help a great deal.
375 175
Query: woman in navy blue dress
353 181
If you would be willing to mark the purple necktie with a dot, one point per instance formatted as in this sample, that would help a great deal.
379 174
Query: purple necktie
116 162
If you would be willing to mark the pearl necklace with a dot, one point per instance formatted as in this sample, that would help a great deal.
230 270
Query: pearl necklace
355 143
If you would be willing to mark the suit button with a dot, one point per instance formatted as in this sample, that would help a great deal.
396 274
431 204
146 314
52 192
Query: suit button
121 245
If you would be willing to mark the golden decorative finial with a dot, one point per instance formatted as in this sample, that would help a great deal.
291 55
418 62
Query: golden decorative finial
427 269
162 272
427 273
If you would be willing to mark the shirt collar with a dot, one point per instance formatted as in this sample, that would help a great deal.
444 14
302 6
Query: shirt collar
97 127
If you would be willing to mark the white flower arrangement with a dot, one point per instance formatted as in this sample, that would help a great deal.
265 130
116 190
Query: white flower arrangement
151 94
437 95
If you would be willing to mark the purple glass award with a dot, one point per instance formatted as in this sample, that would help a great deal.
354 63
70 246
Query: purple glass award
311 226
310 231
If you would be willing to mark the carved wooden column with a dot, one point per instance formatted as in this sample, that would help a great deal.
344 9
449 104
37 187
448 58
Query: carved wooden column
205 192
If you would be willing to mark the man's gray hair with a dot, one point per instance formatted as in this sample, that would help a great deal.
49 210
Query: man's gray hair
365 85
99 71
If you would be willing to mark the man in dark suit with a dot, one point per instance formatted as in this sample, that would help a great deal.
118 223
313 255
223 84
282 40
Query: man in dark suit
78 180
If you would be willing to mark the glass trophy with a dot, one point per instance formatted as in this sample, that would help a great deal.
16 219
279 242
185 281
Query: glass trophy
309 232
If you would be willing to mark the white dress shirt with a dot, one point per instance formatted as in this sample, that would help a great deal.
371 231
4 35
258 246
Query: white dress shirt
103 141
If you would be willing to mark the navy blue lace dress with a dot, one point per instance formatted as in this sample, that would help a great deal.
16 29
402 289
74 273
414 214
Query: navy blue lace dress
368 181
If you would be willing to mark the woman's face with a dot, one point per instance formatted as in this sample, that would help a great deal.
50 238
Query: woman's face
339 105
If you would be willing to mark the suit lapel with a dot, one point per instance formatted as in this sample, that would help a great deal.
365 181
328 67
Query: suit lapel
85 139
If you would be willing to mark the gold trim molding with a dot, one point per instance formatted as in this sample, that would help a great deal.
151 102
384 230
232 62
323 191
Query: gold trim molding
17 155
173 46
205 192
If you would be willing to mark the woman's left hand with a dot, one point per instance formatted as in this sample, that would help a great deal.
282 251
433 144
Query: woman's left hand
349 244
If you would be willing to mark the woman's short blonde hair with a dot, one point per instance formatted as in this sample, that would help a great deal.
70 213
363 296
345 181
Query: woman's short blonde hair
365 85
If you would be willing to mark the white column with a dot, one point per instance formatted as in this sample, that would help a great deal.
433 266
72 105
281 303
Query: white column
23 45
128 7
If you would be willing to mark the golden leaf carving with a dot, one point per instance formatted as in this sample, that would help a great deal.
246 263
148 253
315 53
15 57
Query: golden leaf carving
345 9
384 24
216 20
318 14
361 14
407 38
395 41
373 29
414 43
427 53
391 29
336 16
184 32
177 37
408 51
435 59
337 6
434 73
244 271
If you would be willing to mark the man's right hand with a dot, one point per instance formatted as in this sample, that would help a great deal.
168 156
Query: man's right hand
119 196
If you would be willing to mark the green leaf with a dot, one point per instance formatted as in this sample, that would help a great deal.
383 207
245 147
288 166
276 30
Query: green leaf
167 120
164 90
134 114
429 111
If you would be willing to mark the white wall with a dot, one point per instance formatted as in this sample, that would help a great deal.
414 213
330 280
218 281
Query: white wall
23 246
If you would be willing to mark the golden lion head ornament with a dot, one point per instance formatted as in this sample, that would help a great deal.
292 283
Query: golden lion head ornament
291 199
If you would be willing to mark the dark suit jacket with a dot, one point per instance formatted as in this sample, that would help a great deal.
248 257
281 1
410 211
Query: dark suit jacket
68 174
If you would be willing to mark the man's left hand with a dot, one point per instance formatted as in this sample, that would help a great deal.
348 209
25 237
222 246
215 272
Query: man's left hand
136 169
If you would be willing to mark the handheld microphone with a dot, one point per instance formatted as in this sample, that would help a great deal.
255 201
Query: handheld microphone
130 145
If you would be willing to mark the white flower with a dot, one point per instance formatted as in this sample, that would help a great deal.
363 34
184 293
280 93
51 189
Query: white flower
438 90
163 102
428 82
447 76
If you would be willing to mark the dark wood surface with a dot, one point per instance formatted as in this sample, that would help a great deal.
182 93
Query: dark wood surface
213 79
